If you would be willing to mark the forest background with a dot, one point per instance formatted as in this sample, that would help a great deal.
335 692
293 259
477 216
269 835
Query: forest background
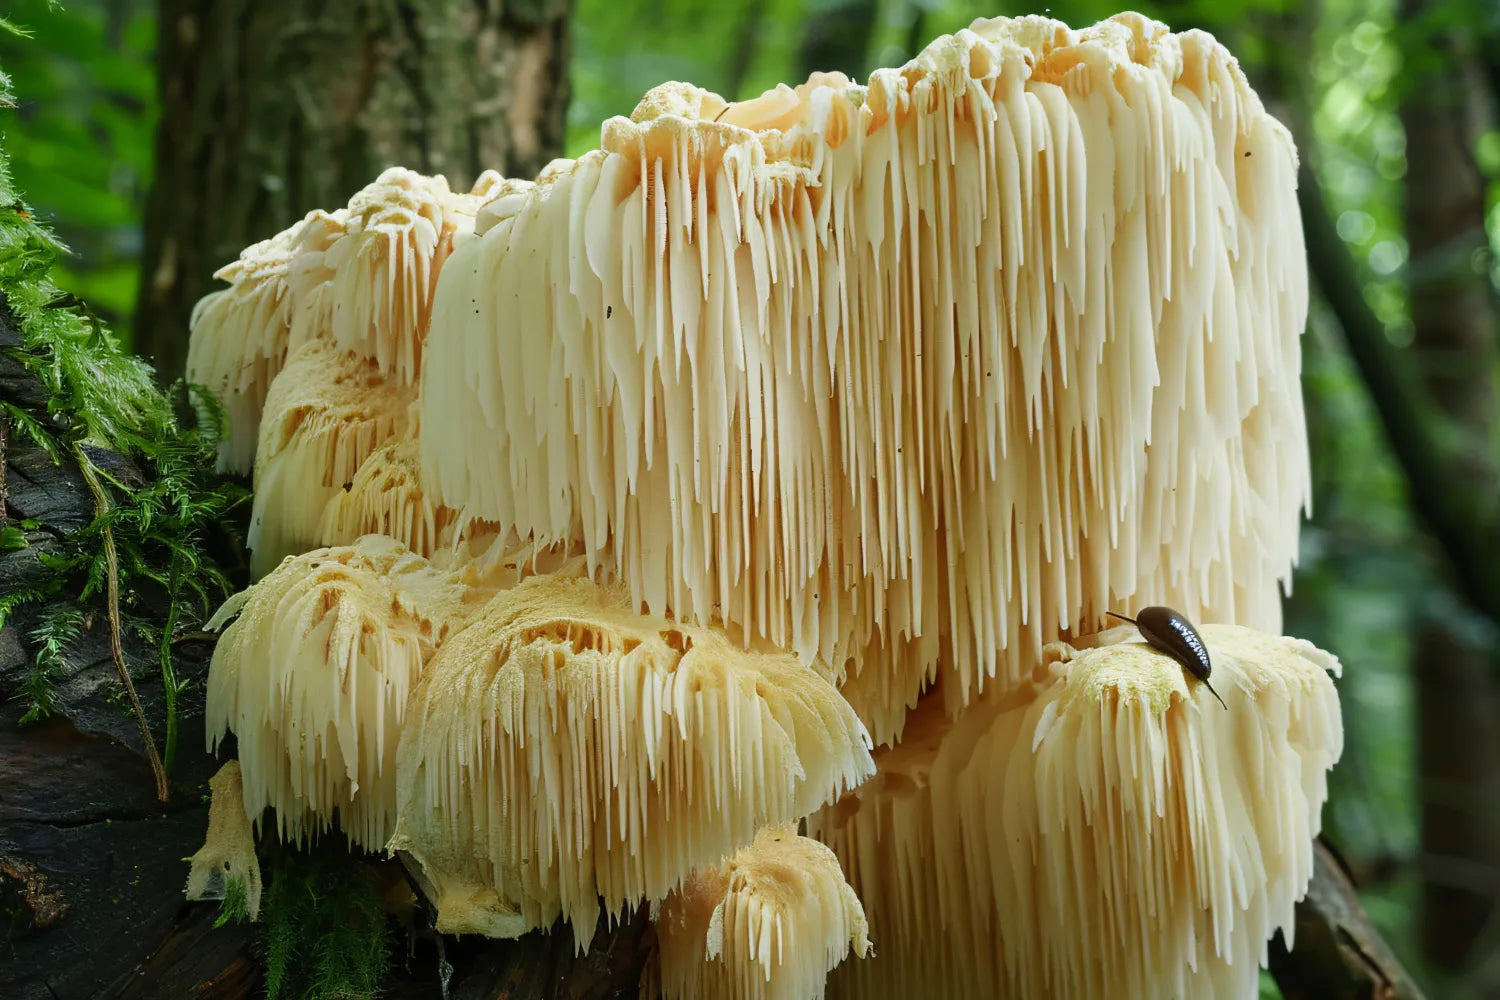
1394 108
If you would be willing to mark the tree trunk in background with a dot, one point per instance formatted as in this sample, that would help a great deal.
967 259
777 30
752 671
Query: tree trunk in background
271 108
1454 317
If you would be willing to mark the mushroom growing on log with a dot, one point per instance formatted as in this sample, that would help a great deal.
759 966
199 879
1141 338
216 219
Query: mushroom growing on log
315 677
325 416
831 419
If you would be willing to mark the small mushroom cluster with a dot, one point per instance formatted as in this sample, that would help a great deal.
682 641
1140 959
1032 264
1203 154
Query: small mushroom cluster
727 521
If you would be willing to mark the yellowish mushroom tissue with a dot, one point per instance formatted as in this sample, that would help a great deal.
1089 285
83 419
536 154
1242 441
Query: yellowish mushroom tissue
565 751
1111 832
973 352
767 924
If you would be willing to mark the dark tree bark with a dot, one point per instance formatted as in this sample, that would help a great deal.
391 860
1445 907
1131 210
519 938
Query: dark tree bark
91 869
1454 319
1338 955
271 108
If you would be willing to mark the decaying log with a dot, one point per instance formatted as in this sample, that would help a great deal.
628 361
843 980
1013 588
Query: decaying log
536 966
1337 954
92 869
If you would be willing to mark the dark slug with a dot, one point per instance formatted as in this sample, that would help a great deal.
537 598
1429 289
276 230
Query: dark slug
1171 633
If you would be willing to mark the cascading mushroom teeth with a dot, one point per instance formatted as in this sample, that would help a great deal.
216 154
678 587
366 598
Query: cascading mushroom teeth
362 277
1170 837
936 369
1107 831
386 497
314 678
856 400
767 924
326 414
565 750
376 300
240 335
935 937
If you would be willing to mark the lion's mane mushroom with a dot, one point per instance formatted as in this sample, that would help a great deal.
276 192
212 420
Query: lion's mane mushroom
1199 827
241 335
376 298
1106 833
327 412
974 352
225 867
314 678
563 748
884 834
361 277
386 497
767 924
826 414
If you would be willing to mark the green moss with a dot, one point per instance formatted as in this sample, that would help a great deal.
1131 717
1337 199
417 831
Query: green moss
234 908
99 396
326 933
57 630
327 938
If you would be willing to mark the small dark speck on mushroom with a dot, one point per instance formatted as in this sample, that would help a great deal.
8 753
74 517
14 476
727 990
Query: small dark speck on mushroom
1247 152
609 311
349 486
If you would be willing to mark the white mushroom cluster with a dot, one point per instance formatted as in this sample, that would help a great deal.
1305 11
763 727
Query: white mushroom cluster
774 465
315 676
361 277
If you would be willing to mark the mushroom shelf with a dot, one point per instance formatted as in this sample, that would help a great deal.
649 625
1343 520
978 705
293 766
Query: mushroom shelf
766 474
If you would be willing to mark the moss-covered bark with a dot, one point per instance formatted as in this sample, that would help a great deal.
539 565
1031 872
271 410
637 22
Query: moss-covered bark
109 505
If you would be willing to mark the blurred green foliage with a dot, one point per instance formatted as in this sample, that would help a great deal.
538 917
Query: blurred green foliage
81 137
82 148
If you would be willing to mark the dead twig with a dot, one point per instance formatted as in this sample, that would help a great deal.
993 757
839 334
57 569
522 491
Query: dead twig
112 575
